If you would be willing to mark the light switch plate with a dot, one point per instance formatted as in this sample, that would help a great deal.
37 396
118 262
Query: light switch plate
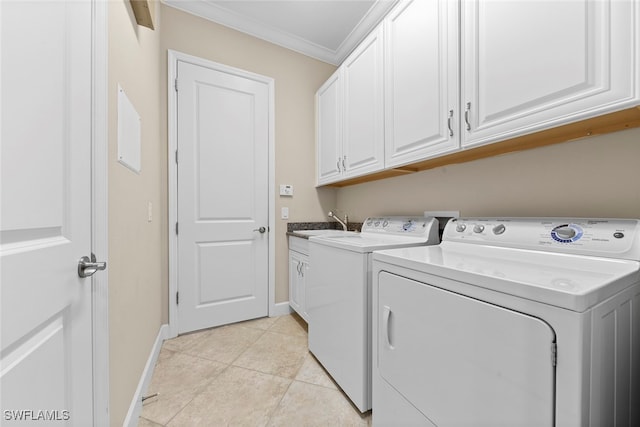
284 213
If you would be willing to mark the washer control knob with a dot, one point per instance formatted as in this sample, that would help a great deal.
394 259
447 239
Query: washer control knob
499 229
565 232
460 228
478 228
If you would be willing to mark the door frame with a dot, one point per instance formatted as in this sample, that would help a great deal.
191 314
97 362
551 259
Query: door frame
172 125
99 209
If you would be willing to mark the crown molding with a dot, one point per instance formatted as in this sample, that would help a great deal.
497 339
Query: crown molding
239 22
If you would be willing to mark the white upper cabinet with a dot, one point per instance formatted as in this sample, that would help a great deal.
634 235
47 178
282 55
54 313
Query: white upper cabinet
363 145
421 81
532 65
329 130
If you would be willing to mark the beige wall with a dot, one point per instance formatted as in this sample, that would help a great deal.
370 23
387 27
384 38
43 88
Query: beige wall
137 248
297 77
594 177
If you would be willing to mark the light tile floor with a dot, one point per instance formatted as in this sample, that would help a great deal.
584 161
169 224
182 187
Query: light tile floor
254 373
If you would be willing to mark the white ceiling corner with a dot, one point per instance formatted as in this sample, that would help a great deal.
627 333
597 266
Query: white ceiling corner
327 30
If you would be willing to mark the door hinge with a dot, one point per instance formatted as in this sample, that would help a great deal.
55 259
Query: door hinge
176 228
175 84
177 298
554 354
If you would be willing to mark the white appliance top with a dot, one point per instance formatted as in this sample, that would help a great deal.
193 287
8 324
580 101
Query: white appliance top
569 263
384 233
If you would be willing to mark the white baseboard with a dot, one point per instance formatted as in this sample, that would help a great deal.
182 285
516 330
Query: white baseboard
280 309
136 404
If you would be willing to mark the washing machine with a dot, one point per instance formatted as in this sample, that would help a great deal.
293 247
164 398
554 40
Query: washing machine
338 296
510 322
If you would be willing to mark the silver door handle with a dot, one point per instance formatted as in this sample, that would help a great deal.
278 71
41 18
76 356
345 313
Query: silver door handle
88 266
466 116
261 229
449 122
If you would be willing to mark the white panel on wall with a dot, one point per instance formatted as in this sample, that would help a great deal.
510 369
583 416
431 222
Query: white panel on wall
128 133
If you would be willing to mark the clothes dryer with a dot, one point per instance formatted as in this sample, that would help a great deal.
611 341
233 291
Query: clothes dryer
510 321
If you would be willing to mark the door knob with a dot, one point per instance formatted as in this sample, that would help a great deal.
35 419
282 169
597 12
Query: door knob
88 266
261 229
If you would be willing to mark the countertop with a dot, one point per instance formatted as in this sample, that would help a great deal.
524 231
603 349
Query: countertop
292 227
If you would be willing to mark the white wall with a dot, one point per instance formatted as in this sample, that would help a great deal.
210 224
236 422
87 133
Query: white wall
593 177
137 247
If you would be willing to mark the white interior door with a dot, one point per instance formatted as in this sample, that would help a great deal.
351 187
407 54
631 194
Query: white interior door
223 195
45 227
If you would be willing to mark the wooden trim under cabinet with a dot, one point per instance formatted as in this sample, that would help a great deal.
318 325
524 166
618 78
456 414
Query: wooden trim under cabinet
607 123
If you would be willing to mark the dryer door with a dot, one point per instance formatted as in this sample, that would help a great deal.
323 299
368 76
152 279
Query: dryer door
461 361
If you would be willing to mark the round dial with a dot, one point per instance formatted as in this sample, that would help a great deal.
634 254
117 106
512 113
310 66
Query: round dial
499 229
566 233
460 228
478 228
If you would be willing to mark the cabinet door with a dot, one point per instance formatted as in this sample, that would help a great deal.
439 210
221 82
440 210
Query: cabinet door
421 81
295 276
530 65
302 288
363 148
329 129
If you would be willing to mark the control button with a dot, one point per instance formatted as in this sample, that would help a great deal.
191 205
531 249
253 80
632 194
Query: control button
618 235
407 226
499 229
377 223
369 221
385 223
478 228
460 228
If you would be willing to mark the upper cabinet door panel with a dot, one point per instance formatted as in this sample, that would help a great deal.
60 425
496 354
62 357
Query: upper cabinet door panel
530 65
363 147
421 80
329 130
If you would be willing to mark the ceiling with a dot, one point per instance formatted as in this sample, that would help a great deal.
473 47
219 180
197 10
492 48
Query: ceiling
327 30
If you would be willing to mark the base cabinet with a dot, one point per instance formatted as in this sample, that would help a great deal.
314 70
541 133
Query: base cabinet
298 268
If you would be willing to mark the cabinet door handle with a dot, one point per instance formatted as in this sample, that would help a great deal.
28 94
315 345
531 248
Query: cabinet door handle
466 116
386 316
338 165
449 120
344 167
302 269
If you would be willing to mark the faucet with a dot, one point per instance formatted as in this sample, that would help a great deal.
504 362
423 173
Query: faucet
344 224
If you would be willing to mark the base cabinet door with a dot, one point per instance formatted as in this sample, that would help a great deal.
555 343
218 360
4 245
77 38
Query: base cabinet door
298 266
532 65
421 81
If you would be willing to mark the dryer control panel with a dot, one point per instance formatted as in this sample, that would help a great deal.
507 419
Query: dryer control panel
616 238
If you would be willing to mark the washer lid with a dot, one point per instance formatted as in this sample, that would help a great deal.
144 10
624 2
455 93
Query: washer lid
569 281
361 242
